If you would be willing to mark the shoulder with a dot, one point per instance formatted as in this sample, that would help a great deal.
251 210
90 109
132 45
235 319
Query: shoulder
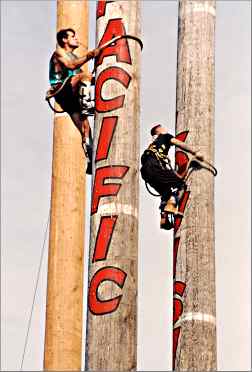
166 137
60 53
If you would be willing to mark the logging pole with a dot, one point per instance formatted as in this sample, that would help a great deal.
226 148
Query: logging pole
63 334
194 322
111 340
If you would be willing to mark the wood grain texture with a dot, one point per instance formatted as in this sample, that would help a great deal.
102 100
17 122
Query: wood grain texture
63 335
195 266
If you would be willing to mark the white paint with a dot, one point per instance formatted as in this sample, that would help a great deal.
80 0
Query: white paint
117 208
201 317
195 7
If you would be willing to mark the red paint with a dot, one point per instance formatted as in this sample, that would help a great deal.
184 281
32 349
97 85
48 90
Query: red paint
115 73
111 189
120 48
111 274
182 205
104 237
179 288
181 160
101 7
105 137
175 252
182 136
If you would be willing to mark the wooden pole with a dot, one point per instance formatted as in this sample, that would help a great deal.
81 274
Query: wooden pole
194 333
63 334
112 294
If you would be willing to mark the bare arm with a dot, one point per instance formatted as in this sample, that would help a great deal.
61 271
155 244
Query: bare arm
187 148
62 57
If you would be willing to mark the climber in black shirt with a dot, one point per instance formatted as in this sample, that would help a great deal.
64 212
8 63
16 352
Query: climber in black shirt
156 168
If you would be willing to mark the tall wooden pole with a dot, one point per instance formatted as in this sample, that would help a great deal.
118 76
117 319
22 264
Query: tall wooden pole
112 294
63 333
194 334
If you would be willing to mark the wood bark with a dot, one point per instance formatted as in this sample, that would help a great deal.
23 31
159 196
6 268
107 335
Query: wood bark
194 269
112 331
63 334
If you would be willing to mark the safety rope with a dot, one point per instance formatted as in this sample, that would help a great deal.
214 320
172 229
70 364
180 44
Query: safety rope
35 293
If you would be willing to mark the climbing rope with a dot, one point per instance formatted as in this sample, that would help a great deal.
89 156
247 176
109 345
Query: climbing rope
35 293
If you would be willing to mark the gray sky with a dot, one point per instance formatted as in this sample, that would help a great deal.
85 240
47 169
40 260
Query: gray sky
28 39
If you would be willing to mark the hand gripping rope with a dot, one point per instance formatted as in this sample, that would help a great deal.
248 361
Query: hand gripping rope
52 93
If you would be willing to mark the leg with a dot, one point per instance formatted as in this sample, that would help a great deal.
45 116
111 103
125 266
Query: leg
82 124
81 77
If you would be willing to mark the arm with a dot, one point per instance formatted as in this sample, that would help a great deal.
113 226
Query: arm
187 148
62 57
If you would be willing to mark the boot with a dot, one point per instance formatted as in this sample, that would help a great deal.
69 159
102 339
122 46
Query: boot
88 150
167 220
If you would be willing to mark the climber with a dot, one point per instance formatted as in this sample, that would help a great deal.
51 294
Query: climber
70 86
157 171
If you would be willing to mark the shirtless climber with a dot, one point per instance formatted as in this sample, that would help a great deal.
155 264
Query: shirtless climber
156 170
74 97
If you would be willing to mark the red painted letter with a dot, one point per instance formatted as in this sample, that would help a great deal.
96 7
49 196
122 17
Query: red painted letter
104 236
100 189
120 48
105 137
115 73
98 306
101 7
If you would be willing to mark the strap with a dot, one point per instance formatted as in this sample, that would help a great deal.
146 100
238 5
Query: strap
56 111
149 191
116 38
127 36
52 93
196 164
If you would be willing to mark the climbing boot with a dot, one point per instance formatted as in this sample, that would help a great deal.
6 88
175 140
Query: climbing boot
88 150
172 206
167 220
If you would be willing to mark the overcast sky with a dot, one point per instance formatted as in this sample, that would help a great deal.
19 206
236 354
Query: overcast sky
27 41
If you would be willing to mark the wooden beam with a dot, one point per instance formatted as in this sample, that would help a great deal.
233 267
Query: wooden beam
194 333
63 335
113 265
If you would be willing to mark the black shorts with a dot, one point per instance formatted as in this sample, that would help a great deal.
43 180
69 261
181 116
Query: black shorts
158 177
67 99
